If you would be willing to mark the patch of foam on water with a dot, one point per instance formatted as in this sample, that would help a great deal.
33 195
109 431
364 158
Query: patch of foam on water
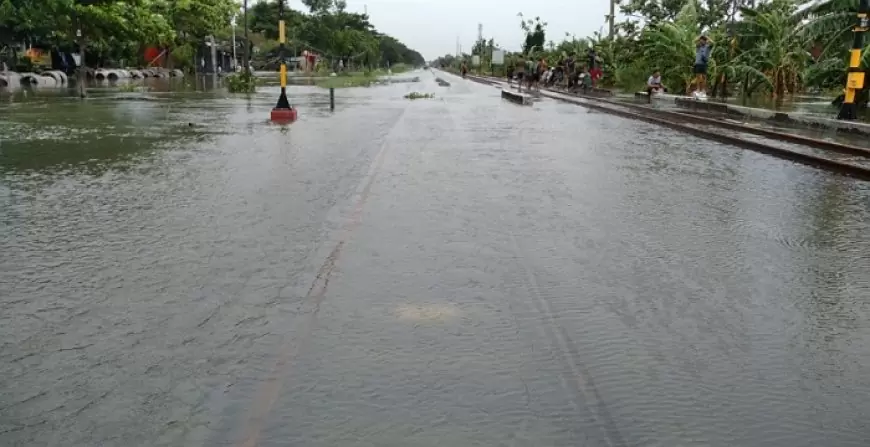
24 132
427 312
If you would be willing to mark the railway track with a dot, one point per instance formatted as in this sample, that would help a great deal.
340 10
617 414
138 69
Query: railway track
846 159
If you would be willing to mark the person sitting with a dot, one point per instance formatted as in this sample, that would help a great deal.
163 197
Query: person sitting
557 73
575 80
654 84
545 79
585 81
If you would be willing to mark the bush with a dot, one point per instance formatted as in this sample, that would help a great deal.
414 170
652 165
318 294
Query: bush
24 65
243 82
182 56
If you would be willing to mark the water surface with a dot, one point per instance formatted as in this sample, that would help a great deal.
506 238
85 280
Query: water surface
453 271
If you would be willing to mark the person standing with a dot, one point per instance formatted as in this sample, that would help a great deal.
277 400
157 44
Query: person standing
520 72
570 70
531 66
702 59
593 64
539 73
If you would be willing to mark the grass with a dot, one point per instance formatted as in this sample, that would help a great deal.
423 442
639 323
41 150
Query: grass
352 80
241 83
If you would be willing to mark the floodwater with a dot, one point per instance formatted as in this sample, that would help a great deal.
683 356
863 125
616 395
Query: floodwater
455 271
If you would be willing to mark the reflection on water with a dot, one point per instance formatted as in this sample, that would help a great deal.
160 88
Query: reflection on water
177 270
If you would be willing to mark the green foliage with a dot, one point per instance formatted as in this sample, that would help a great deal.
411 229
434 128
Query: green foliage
182 55
355 80
119 29
535 34
770 47
244 82
329 30
24 64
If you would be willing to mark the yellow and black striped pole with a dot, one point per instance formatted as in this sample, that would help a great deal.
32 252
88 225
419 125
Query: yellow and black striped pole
283 111
855 77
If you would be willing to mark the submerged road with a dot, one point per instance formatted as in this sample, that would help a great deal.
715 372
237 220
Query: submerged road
455 271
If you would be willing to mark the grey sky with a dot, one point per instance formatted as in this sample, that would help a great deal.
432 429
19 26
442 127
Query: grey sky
432 26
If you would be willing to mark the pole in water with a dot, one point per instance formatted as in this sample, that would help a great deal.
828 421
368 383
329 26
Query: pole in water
331 98
855 78
283 112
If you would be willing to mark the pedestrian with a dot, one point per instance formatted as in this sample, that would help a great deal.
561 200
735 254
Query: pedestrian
702 59
530 69
593 63
520 72
539 73
570 70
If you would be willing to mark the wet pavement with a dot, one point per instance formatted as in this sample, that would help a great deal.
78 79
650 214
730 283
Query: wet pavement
460 271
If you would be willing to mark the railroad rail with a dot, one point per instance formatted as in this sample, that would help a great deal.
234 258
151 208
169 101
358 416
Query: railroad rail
678 121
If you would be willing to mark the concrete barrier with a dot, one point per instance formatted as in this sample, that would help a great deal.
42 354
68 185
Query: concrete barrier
707 106
28 78
111 75
516 97
35 80
59 76
10 79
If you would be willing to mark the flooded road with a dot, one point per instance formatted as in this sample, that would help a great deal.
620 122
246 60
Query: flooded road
452 271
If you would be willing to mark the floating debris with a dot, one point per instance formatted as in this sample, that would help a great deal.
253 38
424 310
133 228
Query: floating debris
418 95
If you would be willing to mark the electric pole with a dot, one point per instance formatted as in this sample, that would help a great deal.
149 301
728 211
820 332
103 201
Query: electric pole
612 18
732 44
247 54
480 45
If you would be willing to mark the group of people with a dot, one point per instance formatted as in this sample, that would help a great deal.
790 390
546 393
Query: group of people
566 73
698 88
570 75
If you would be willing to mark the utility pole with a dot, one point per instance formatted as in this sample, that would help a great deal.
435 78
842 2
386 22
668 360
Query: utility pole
732 42
235 60
855 77
247 53
612 18
480 47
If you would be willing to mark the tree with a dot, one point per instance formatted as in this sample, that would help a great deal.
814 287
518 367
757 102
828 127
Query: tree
328 29
779 54
535 34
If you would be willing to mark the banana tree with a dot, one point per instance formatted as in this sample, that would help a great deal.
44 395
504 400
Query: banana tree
780 54
670 46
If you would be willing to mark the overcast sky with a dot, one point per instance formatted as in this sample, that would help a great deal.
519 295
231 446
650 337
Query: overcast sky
432 26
